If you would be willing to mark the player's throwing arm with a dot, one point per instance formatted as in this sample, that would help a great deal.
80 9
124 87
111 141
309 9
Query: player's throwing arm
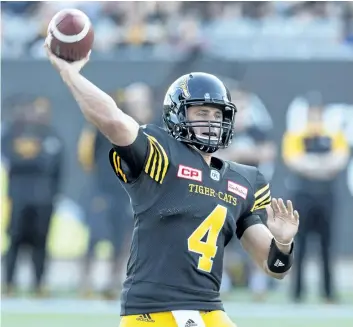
97 106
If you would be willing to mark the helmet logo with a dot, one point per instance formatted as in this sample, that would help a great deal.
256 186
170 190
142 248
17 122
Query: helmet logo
183 86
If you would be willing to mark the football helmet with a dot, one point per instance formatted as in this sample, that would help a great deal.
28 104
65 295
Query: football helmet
199 89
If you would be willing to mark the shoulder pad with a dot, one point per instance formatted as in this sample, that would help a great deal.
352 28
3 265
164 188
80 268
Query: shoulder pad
153 130
158 133
248 172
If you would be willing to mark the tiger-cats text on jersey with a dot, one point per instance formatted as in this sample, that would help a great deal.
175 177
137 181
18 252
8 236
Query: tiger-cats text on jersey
185 213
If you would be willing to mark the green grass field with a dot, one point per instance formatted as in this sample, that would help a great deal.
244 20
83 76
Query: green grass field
82 320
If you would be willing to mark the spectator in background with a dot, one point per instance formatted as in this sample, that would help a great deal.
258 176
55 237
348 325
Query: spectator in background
20 7
138 102
108 218
157 28
315 157
251 145
33 153
347 17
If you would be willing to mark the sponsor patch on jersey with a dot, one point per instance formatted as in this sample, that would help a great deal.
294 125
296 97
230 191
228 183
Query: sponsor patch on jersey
190 173
237 189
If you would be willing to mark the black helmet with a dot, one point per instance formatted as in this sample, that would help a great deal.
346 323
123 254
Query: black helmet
199 89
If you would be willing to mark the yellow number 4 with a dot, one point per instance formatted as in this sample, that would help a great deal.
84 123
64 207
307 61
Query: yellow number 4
208 249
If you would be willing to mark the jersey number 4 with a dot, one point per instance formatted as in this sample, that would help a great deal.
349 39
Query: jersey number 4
209 230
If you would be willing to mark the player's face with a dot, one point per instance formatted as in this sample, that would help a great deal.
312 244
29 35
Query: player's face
205 113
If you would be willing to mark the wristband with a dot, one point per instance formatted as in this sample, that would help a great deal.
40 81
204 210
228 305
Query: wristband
277 261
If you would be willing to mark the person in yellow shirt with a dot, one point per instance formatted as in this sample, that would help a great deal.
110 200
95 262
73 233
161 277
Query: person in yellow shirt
315 156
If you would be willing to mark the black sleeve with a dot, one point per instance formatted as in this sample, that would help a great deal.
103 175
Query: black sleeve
145 154
128 161
257 213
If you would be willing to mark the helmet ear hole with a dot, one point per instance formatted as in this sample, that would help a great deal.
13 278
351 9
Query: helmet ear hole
180 130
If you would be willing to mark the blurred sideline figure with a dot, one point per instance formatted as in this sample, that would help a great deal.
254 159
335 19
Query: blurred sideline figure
138 102
315 156
252 145
33 153
110 214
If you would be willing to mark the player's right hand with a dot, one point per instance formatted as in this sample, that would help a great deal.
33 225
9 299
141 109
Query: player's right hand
62 65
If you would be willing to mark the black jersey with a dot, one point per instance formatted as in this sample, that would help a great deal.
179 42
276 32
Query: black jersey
185 212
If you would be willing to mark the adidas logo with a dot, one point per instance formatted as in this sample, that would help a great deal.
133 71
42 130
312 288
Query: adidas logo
191 323
145 318
279 263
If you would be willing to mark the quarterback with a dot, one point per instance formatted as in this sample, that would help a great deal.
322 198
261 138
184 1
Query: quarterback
187 204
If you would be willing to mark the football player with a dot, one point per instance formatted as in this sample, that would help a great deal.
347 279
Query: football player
187 204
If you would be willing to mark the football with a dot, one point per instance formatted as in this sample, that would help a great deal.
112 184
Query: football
71 35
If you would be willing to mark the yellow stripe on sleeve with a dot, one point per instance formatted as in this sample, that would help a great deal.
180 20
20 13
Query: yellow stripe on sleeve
157 160
262 190
117 167
262 198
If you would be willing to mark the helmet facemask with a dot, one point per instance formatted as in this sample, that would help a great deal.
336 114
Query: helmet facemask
206 135
199 89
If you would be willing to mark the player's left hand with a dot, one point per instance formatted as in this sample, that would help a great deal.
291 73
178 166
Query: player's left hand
283 221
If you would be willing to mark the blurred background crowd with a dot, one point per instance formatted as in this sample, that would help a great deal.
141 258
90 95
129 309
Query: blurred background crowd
294 122
241 28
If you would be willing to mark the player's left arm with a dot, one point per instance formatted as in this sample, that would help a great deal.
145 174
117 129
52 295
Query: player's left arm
267 231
